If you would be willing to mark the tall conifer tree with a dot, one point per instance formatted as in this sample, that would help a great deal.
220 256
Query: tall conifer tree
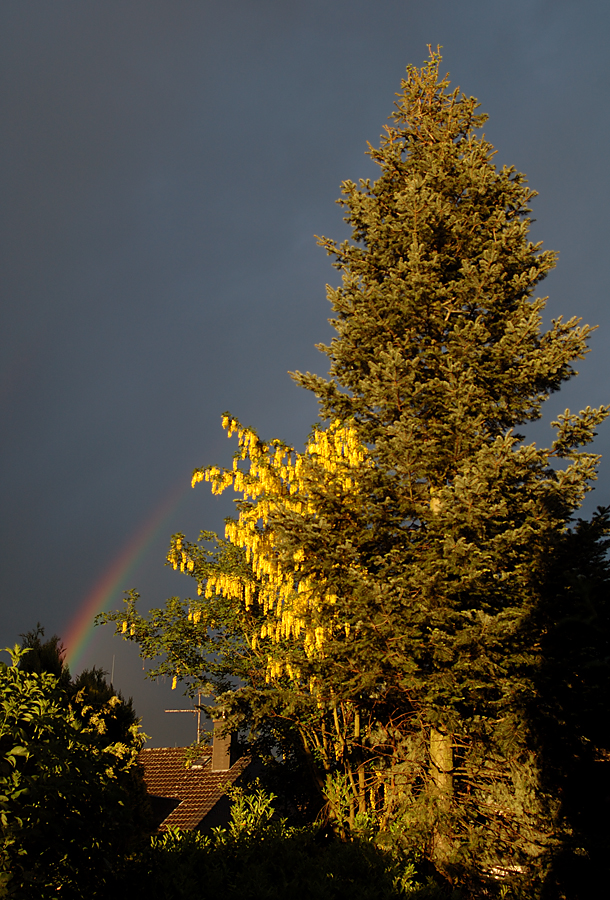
385 596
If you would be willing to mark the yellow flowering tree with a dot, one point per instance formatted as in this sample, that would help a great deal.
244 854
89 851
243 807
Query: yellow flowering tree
282 621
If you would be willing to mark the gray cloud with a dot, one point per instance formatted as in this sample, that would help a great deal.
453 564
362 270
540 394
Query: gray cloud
165 166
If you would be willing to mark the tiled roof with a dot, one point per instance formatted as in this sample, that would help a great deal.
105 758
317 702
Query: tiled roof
197 788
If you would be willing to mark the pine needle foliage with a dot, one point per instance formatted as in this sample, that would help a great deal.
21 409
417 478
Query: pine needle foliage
383 597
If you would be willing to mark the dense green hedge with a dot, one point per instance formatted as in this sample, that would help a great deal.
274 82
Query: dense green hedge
261 858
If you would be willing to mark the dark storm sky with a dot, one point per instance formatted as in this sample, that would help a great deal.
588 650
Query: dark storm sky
165 165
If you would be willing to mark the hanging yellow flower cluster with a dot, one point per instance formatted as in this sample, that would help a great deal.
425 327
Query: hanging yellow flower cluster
278 479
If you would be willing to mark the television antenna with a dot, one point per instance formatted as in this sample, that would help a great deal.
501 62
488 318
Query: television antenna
196 712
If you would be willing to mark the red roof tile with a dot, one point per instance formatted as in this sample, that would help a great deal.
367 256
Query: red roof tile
196 787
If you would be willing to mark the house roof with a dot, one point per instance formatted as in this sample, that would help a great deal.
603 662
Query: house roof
196 787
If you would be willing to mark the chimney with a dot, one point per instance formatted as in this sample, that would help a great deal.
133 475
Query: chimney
221 749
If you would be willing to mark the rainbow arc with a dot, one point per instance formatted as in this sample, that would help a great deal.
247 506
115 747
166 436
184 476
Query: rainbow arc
80 630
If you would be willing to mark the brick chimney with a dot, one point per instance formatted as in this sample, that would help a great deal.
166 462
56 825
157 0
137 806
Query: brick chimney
221 749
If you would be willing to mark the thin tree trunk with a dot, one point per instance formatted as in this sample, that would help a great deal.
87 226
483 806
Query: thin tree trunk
311 763
358 742
361 790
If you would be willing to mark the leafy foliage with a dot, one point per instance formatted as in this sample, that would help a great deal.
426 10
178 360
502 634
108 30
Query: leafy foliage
71 799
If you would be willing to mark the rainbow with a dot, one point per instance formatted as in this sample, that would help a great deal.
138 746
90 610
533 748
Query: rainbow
80 630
